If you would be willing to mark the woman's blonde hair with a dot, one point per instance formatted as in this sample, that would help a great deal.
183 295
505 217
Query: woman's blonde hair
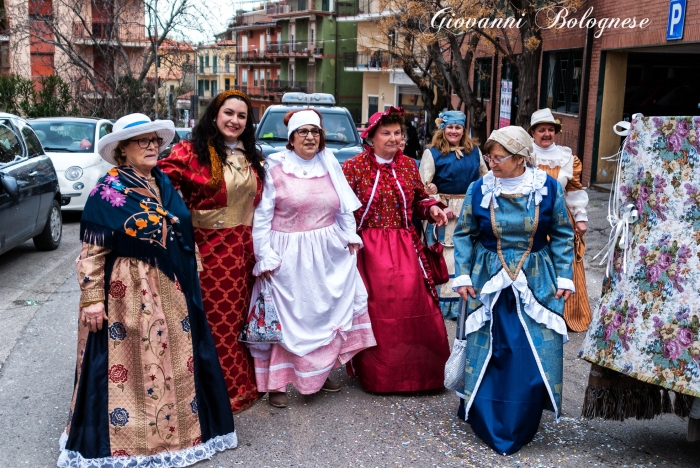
440 142
119 155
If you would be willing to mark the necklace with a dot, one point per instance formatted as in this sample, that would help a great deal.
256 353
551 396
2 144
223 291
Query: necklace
302 162
229 152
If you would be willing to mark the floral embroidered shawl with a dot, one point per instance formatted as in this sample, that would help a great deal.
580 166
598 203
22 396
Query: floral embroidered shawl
123 214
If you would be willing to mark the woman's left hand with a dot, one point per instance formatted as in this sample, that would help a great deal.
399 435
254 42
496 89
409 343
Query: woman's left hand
563 292
353 248
438 215
581 227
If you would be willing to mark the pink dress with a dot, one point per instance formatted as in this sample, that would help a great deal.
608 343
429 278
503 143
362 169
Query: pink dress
321 301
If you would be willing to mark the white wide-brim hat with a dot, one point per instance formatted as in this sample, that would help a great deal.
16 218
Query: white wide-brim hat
543 116
130 126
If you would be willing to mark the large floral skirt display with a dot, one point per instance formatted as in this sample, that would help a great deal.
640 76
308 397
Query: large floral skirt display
644 340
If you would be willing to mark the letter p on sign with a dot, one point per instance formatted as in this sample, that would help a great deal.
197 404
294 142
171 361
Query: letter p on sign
676 20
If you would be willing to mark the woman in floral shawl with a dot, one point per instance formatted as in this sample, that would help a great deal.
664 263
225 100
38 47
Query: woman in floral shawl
149 390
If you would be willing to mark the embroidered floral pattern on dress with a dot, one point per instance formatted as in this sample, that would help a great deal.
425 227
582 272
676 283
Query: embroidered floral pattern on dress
117 289
117 332
119 417
185 323
648 324
118 374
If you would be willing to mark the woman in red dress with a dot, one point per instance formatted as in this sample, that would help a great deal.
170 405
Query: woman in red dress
403 307
220 173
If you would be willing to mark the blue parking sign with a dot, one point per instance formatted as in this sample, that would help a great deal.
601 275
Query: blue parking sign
676 19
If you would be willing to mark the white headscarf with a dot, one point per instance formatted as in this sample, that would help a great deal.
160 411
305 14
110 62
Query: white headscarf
515 140
303 117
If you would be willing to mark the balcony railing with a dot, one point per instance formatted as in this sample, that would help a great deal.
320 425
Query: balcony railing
283 86
375 60
208 70
294 48
99 31
259 90
292 6
253 56
357 7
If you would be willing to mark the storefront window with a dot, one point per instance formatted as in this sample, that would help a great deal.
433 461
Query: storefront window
561 80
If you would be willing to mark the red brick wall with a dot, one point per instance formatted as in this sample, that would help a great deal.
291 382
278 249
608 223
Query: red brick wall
611 39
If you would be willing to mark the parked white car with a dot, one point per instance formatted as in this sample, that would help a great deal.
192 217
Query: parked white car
71 143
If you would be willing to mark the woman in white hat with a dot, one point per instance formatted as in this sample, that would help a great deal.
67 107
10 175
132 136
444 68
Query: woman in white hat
560 163
145 352
306 247
513 253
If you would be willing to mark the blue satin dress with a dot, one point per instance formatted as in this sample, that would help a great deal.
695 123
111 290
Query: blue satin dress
515 254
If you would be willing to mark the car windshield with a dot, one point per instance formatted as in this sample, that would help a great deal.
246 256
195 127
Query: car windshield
183 132
66 137
338 127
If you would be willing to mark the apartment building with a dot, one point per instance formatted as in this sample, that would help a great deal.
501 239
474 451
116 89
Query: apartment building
592 79
309 49
384 83
257 72
93 33
215 70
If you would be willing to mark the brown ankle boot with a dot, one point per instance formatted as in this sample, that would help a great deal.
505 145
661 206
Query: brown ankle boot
330 386
278 399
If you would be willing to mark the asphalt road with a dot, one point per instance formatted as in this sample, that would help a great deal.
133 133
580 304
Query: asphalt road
38 313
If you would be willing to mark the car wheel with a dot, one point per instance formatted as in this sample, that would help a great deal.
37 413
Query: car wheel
50 237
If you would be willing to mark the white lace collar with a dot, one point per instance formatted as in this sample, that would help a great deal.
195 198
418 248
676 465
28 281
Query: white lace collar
301 168
382 160
554 156
531 183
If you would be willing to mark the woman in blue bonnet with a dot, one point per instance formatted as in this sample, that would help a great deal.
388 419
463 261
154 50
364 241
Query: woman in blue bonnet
513 254
149 390
448 167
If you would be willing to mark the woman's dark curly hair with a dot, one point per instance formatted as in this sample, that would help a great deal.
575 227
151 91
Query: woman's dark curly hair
206 132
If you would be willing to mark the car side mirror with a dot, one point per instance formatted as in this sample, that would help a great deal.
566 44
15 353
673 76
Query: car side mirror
9 185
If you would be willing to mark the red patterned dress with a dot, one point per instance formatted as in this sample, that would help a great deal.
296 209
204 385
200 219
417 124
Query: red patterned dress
222 219
403 307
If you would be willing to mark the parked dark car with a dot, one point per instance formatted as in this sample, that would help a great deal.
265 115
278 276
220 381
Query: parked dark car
30 198
341 134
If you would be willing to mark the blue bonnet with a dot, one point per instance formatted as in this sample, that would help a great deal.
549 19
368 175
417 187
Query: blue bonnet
450 117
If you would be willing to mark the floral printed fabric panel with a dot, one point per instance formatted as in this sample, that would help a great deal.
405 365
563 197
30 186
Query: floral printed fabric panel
647 324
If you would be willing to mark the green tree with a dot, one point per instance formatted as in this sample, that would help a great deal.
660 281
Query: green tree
53 99
16 94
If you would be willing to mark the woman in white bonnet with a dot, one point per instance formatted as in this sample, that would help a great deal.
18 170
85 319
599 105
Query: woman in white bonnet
305 245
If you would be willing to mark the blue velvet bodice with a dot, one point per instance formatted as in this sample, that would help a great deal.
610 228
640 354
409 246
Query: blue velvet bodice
453 176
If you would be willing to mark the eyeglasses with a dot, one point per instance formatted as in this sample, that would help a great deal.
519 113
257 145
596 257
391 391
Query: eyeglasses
303 132
146 142
497 160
